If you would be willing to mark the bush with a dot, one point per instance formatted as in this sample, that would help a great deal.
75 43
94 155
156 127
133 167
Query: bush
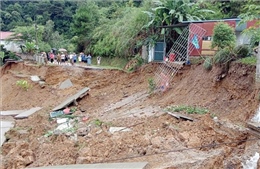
223 36
242 51
222 56
248 60
207 63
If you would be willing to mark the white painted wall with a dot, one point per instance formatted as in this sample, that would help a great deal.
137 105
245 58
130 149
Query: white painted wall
151 53
11 46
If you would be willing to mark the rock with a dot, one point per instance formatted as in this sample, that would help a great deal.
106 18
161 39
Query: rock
42 84
82 131
35 78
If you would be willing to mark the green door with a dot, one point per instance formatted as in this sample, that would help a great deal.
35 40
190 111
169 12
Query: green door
159 51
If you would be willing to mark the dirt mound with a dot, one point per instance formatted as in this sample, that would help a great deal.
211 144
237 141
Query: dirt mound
119 99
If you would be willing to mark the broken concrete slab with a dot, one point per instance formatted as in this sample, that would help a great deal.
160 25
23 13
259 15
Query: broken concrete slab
66 84
27 113
11 112
128 165
116 129
71 99
178 116
4 127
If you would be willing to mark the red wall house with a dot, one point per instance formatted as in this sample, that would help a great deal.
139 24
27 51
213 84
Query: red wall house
208 26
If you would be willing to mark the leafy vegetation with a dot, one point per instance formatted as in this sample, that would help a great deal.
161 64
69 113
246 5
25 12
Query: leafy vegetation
248 60
5 54
187 109
250 12
223 56
23 84
223 36
242 51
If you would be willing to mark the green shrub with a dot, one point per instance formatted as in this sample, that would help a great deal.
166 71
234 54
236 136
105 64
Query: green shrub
248 60
223 36
222 56
241 51
207 63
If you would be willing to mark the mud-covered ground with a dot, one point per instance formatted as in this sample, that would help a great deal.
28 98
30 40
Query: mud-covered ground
217 139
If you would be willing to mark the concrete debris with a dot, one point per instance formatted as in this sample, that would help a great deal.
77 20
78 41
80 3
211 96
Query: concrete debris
4 127
42 84
126 165
27 113
117 129
62 120
11 112
252 162
71 99
178 116
63 126
66 84
35 78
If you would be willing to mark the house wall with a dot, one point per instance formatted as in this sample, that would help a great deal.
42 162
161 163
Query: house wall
209 27
11 46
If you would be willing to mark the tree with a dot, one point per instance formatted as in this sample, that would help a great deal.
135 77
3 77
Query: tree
116 38
251 11
85 19
28 33
169 12
223 36
84 22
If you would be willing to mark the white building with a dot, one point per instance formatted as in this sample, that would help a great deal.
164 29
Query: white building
13 46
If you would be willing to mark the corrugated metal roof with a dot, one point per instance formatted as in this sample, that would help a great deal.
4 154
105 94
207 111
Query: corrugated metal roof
217 20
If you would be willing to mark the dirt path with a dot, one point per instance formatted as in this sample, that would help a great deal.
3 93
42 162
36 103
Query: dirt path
119 99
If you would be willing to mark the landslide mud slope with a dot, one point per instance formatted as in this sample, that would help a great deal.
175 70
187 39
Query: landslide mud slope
119 99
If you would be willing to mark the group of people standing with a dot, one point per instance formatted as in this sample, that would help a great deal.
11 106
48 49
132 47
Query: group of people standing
63 58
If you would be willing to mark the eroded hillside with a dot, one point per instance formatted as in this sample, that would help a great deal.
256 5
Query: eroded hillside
218 139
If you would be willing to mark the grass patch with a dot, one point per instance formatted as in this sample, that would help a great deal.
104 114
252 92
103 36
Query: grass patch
111 63
187 109
207 63
248 60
